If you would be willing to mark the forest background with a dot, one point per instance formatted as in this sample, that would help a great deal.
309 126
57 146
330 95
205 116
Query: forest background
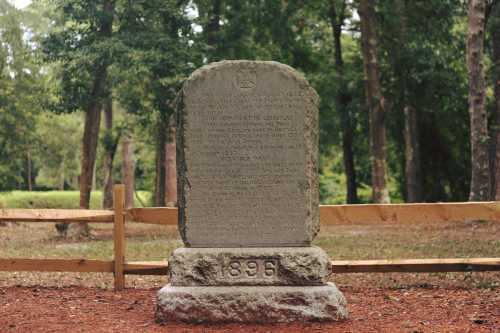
410 92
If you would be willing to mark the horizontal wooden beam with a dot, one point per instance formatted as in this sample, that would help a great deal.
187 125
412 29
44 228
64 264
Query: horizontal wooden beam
147 268
338 266
55 265
416 265
364 266
410 213
363 214
329 215
56 215
155 215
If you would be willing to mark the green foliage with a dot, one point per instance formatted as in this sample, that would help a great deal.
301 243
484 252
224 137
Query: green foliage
332 182
423 66
81 50
57 154
57 199
156 44
21 89
144 166
156 57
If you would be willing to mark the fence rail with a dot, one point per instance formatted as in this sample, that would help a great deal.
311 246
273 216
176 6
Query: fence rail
410 213
416 265
56 265
82 266
57 215
338 266
329 215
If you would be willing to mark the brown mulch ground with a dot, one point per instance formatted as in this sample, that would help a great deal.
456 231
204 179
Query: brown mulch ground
77 309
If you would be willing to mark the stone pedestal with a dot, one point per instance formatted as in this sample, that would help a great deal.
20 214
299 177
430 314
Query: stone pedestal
262 285
250 304
274 266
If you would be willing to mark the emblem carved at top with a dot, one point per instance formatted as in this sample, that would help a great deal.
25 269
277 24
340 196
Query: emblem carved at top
246 78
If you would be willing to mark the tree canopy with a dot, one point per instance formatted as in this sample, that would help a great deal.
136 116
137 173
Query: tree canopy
73 56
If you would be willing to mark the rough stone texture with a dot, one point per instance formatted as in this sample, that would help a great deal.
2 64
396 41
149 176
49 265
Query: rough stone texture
250 304
300 266
247 138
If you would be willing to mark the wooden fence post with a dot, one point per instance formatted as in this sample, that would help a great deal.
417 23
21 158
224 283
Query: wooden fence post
119 236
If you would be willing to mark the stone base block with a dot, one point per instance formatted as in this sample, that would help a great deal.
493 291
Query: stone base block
250 304
281 266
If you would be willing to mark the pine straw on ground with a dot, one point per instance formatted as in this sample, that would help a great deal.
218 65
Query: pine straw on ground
77 309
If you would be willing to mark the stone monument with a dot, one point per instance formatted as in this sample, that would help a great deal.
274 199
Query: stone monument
247 137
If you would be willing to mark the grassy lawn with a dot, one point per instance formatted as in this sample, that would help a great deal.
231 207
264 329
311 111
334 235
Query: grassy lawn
452 240
58 199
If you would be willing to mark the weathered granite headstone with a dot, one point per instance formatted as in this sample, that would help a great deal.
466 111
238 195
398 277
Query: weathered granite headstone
247 137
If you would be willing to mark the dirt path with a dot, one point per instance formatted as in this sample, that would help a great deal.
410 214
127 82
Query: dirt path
414 310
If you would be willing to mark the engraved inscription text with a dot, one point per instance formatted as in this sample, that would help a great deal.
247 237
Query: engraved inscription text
251 268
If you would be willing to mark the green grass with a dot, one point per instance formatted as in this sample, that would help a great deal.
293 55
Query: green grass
410 242
56 199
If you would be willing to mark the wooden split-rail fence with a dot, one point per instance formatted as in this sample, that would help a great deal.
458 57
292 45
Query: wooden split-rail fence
329 215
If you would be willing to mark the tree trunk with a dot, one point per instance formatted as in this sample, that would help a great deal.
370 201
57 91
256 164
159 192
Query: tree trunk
128 170
374 101
94 177
343 98
412 156
212 30
413 180
171 178
30 181
480 180
92 121
495 37
61 177
110 144
161 142
89 148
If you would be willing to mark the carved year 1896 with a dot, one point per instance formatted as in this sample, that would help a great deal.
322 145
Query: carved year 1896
249 268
